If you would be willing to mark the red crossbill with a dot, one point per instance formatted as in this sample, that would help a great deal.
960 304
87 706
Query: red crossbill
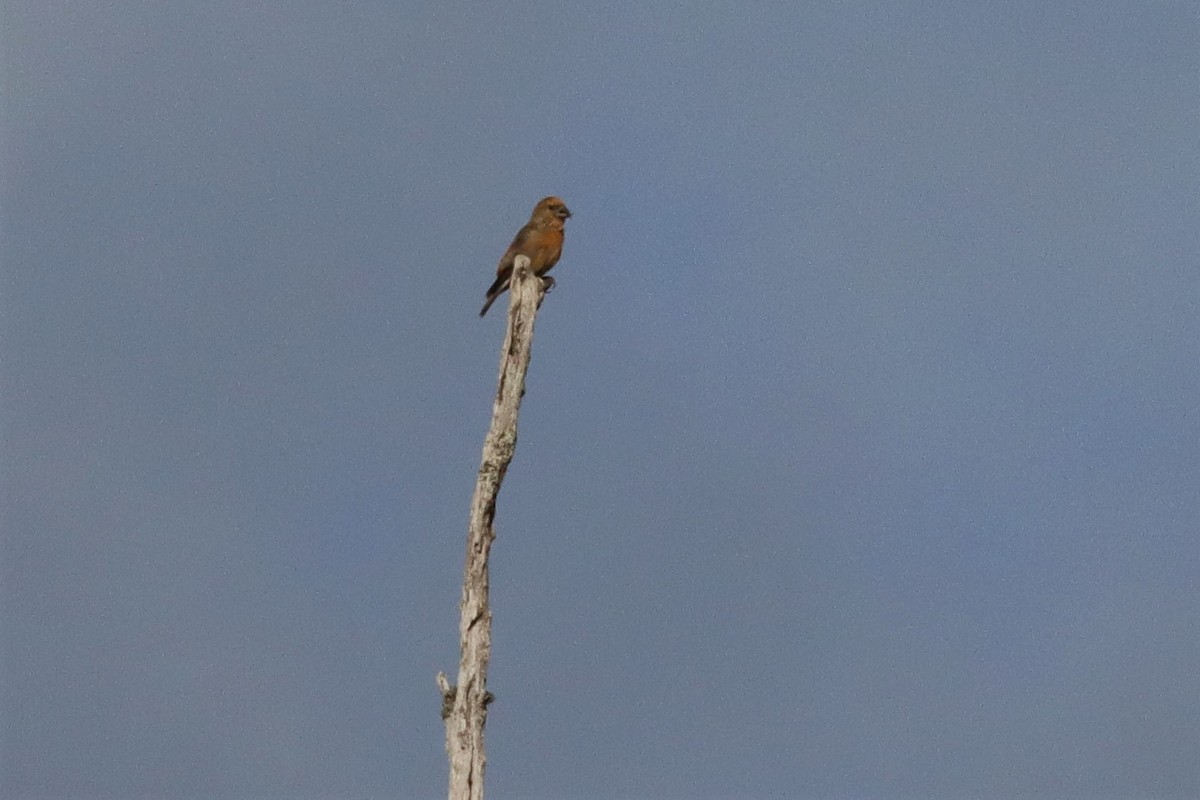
541 240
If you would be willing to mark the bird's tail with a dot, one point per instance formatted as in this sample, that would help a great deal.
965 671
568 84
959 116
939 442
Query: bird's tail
495 291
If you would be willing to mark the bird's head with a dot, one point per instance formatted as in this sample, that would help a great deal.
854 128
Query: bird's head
552 207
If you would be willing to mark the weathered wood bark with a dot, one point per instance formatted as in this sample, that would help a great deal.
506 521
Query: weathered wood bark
464 706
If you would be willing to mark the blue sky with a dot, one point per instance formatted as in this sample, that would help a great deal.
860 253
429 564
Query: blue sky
860 455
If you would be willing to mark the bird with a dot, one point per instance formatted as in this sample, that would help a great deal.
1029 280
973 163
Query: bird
541 240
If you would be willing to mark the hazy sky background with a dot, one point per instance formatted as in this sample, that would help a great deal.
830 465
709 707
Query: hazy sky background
861 449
